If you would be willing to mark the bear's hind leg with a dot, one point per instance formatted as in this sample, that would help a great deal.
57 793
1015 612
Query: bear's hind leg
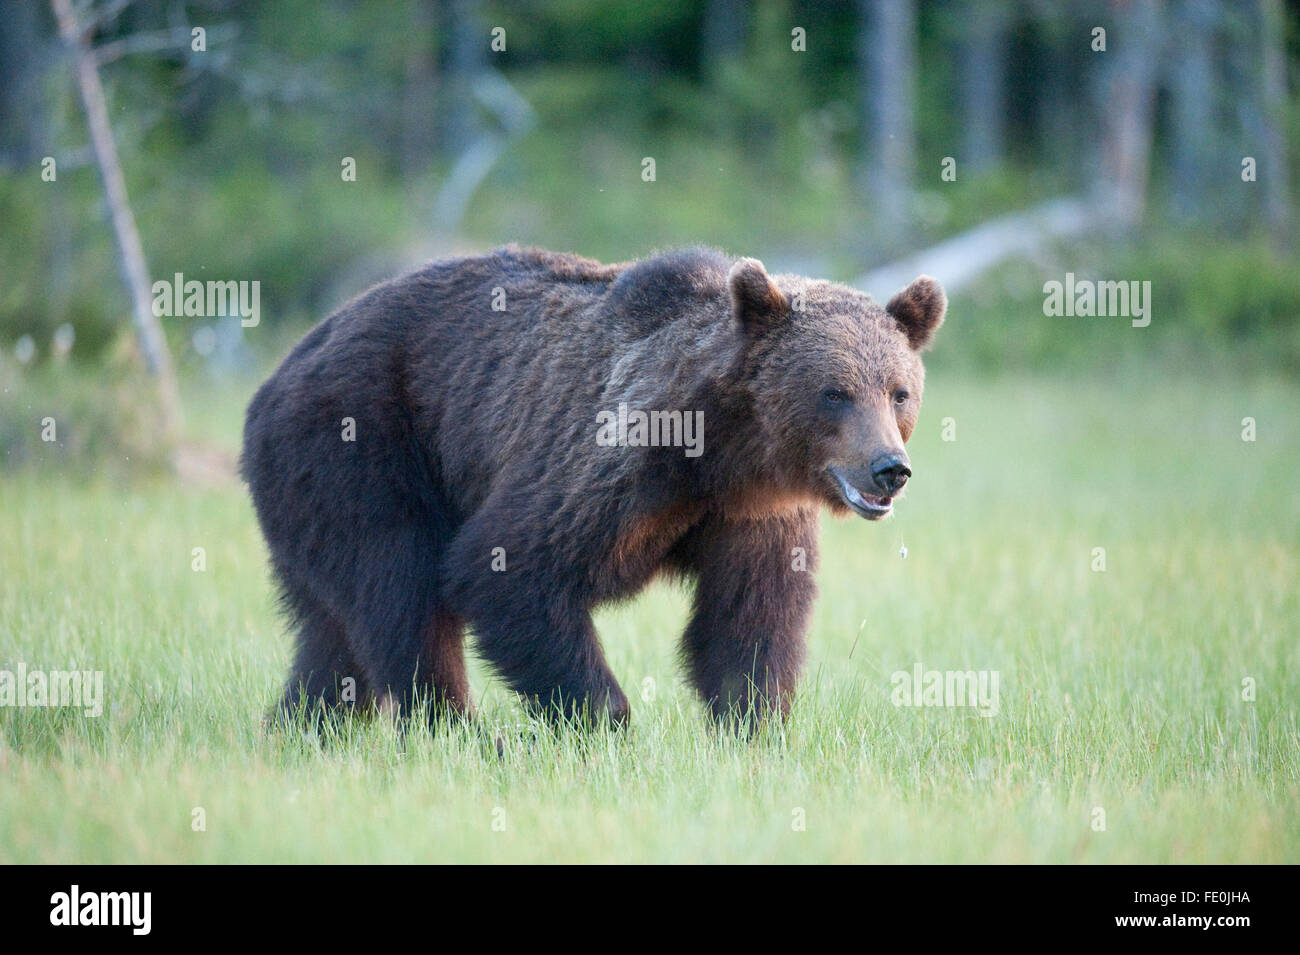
554 661
442 670
545 651
325 676
530 622
410 647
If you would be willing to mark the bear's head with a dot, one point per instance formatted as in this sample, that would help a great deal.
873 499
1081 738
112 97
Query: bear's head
834 381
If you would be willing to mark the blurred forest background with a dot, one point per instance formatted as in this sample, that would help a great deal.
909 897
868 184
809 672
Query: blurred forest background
996 145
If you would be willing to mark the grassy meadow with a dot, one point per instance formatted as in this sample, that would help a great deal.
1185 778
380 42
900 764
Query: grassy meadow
1121 735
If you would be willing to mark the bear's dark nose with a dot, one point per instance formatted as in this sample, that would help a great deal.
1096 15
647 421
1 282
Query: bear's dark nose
890 472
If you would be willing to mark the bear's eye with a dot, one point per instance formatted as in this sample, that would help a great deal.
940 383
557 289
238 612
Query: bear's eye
834 396
900 397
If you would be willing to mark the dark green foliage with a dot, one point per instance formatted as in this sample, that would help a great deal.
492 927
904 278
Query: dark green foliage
232 158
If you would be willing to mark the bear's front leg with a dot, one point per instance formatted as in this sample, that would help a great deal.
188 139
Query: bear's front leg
744 646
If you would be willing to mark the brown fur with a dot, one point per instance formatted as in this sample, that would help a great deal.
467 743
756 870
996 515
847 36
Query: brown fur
476 431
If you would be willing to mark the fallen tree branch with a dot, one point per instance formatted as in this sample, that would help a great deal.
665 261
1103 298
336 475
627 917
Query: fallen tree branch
494 92
960 260
157 41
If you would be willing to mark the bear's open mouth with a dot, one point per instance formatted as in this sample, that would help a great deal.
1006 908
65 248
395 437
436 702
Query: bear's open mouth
871 506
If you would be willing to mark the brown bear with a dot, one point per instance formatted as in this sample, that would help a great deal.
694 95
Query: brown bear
509 440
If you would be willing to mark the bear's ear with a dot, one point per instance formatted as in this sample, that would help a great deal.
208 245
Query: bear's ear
756 302
919 309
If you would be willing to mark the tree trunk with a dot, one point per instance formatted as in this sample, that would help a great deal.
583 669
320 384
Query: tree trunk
1127 107
420 92
465 42
22 110
149 332
887 65
722 36
1194 133
1273 156
981 78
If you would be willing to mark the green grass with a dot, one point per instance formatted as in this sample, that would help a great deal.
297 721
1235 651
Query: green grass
1119 690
